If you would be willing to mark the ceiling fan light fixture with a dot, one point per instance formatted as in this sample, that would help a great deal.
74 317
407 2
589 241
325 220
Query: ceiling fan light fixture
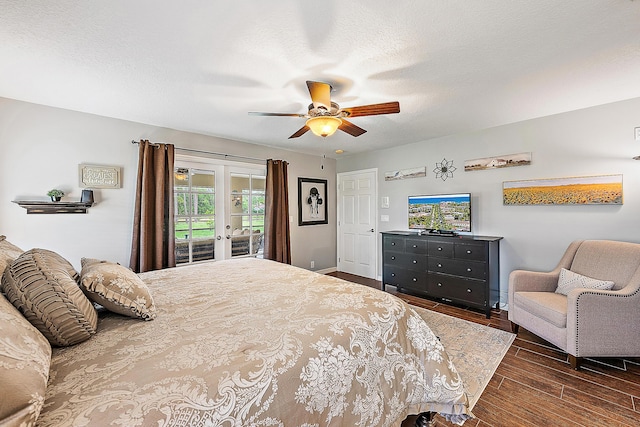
324 125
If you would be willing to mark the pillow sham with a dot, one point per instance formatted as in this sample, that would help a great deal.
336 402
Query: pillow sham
25 357
44 287
569 280
117 289
8 253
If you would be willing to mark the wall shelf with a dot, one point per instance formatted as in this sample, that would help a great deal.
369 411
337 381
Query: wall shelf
41 207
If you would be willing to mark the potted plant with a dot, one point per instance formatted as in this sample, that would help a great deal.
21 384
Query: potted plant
55 195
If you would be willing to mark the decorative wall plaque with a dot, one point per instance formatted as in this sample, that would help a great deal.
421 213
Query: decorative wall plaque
96 176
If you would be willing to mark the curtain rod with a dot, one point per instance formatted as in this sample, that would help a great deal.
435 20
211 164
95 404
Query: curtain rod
191 150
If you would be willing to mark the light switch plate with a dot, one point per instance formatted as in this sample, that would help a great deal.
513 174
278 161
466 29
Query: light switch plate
385 202
637 134
384 218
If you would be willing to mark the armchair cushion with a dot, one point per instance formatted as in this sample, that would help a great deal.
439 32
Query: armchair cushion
569 280
548 306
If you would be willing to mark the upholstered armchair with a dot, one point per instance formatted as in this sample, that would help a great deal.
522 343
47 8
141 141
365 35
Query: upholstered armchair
586 322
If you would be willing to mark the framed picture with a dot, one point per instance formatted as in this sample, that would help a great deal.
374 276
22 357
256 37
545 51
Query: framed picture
497 162
583 190
406 173
312 201
96 176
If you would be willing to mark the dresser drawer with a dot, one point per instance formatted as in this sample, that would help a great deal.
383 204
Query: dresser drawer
456 289
472 269
409 261
393 243
440 249
401 278
415 246
470 251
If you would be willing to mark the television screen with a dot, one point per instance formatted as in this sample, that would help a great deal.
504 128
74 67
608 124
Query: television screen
441 212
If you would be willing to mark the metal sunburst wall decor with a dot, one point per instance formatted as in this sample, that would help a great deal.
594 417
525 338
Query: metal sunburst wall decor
444 169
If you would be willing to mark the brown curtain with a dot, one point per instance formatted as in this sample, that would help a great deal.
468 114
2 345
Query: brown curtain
153 244
277 242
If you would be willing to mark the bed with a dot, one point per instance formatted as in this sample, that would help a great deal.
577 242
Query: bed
248 342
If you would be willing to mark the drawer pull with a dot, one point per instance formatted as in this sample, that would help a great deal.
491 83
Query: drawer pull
440 284
468 251
469 270
393 257
415 280
415 261
393 243
393 274
415 246
439 248
439 265
469 290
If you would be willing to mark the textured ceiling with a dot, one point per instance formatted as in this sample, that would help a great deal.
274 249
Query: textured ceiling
200 65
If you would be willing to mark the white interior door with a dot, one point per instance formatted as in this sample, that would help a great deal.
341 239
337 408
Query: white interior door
357 226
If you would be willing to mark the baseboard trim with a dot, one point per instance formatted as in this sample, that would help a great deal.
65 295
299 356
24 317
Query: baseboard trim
326 270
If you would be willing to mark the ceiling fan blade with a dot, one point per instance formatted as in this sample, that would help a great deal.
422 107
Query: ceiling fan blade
300 132
373 109
350 128
320 93
253 113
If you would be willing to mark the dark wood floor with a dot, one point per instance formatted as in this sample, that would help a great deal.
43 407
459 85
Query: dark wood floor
535 386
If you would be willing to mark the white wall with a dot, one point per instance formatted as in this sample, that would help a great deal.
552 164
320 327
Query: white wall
41 148
594 141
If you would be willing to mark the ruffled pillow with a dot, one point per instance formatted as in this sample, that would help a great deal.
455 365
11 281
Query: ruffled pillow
44 287
569 280
117 289
8 253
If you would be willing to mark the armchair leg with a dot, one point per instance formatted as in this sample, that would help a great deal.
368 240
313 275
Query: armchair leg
575 361
514 328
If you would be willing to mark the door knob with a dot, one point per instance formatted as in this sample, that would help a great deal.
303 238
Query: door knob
219 238
371 230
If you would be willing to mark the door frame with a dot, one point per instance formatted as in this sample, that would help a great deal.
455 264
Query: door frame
223 169
374 213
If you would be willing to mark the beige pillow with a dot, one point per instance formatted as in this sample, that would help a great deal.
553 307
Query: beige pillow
43 286
8 252
25 356
569 280
117 289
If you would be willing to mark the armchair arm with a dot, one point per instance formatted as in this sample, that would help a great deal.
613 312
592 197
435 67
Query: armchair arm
533 281
604 323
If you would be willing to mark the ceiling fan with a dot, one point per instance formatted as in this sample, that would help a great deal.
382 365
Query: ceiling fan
325 116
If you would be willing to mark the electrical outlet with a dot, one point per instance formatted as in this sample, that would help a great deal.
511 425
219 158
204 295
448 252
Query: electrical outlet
313 264
637 134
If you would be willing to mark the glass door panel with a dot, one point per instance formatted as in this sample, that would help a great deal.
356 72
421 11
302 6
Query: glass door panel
219 211
194 207
247 213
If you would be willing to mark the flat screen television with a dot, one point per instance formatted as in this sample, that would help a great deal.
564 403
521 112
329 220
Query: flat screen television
440 213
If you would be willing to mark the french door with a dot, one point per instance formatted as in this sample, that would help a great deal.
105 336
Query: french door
219 210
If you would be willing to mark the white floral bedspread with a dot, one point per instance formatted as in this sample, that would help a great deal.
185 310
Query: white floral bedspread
250 342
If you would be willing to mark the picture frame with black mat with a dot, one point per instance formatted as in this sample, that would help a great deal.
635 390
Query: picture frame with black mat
312 201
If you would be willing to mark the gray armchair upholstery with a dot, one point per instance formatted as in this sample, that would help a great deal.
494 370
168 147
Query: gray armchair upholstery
586 322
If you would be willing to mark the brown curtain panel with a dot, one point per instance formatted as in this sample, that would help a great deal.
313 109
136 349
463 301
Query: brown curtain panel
277 241
153 244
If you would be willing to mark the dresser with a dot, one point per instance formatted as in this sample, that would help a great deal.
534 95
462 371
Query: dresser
459 269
